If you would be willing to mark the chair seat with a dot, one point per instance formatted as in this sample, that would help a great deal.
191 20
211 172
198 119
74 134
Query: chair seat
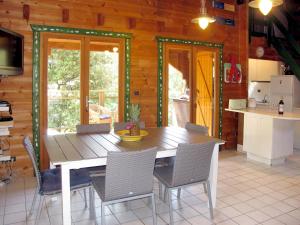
99 186
97 171
163 162
165 175
51 180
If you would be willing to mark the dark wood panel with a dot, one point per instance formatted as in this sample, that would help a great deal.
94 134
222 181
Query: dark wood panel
71 147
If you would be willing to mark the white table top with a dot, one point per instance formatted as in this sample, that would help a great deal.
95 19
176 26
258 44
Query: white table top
264 111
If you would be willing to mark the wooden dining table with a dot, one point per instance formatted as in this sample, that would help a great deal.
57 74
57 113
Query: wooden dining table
74 151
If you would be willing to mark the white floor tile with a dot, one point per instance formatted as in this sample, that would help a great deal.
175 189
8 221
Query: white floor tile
244 220
248 193
258 216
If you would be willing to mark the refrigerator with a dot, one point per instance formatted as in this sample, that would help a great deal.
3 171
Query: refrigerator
287 88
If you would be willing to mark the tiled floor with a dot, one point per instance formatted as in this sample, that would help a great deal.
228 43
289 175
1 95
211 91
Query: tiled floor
248 193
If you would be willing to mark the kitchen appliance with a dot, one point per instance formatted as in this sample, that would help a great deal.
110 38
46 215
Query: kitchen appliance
287 88
237 104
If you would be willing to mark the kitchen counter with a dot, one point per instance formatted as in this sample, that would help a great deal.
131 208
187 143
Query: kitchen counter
266 111
268 136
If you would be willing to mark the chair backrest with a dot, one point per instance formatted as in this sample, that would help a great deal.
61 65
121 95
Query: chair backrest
192 163
129 173
197 128
122 125
30 150
93 128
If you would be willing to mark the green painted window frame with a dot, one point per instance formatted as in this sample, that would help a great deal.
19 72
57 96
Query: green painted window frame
160 45
37 30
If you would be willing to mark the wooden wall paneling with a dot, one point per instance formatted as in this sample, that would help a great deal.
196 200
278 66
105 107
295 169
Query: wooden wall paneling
269 52
161 26
176 14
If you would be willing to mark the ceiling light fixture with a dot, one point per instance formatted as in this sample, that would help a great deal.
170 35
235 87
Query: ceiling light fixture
204 19
265 6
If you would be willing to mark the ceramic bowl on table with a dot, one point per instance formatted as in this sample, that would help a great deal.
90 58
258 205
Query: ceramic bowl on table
125 135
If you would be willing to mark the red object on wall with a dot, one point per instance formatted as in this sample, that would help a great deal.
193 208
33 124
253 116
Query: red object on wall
65 15
100 19
131 23
234 73
26 12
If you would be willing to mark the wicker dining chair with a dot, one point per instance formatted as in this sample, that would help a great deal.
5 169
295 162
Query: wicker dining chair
129 176
201 130
197 128
122 125
191 166
93 128
49 181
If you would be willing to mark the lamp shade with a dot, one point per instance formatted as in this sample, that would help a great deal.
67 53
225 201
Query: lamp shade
265 6
203 21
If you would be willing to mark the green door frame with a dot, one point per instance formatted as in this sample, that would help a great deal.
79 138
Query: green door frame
37 30
160 85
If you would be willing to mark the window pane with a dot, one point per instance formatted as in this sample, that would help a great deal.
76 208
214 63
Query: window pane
63 88
104 83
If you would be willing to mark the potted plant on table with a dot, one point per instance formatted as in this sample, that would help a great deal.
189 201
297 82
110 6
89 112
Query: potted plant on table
134 115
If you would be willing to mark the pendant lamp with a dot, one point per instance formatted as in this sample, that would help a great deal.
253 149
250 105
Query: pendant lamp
265 6
204 19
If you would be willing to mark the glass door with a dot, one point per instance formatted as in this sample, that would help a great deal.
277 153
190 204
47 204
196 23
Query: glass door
83 82
178 79
63 85
104 85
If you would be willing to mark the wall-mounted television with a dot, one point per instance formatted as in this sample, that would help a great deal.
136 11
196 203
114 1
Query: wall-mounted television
11 53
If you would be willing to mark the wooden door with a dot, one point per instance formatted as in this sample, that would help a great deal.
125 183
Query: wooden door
204 93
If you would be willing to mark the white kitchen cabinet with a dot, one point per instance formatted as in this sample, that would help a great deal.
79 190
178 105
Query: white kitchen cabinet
268 137
297 136
262 70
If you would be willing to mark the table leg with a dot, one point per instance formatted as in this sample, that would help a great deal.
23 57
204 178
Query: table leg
213 175
66 198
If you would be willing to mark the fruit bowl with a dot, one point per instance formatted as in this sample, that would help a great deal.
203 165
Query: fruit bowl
124 135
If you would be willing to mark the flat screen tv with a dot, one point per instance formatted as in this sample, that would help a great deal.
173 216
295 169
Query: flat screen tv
11 53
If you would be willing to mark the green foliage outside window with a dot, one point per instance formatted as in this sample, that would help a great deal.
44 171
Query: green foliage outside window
64 86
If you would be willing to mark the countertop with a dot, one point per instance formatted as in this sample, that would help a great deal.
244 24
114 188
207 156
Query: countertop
266 111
